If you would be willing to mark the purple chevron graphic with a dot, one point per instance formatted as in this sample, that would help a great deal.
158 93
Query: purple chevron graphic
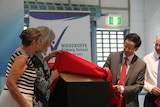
58 41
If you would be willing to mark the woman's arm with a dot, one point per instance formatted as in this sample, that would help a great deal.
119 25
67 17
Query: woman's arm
16 71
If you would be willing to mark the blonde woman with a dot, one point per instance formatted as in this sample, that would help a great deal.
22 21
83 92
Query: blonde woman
45 77
20 73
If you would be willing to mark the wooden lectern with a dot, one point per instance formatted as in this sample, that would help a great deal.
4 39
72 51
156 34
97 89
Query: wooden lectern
80 91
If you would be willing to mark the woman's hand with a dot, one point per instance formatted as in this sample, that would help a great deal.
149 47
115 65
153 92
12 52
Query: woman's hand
54 75
54 53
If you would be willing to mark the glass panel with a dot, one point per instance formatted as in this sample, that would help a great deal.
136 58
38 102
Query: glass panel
99 54
121 36
120 41
113 36
108 41
120 33
105 32
105 45
113 50
99 45
105 36
99 36
112 32
113 45
100 64
106 54
113 41
99 49
99 40
120 45
106 49
99 32
120 49
105 40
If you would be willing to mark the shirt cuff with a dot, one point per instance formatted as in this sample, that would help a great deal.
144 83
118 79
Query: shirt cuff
122 89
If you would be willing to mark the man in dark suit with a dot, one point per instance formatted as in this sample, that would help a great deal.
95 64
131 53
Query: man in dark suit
134 74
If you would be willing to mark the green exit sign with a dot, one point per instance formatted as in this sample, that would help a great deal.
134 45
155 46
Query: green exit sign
114 20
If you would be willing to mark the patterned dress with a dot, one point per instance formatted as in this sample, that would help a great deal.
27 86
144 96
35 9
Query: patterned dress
42 84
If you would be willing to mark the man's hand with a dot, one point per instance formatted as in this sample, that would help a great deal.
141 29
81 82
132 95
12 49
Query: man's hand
106 69
117 88
156 91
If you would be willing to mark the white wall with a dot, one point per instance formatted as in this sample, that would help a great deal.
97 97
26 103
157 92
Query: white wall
137 23
152 23
120 7
145 20
11 19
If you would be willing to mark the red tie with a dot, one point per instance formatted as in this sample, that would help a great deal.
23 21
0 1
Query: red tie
122 77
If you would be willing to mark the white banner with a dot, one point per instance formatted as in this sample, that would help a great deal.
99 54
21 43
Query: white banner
72 30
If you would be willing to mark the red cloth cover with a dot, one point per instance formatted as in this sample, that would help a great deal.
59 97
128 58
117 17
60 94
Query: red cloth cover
51 65
157 101
114 99
70 63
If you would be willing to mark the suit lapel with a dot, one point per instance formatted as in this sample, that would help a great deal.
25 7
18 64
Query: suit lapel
119 65
131 67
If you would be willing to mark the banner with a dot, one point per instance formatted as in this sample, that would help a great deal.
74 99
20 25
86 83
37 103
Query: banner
11 19
72 29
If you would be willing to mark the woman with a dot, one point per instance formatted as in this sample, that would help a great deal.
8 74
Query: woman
44 76
20 72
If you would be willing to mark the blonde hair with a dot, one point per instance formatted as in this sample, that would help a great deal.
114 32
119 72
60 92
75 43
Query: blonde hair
48 35
28 35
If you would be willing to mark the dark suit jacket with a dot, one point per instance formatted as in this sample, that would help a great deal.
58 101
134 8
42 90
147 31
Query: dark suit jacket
134 80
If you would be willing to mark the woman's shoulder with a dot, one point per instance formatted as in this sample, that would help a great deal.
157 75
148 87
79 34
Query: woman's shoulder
19 51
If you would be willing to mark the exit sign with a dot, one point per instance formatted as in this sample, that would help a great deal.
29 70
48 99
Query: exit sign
114 20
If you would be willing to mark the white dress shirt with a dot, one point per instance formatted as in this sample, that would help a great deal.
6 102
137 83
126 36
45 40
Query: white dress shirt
151 73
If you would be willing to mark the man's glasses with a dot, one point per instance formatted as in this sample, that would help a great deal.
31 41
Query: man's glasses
129 48
156 45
